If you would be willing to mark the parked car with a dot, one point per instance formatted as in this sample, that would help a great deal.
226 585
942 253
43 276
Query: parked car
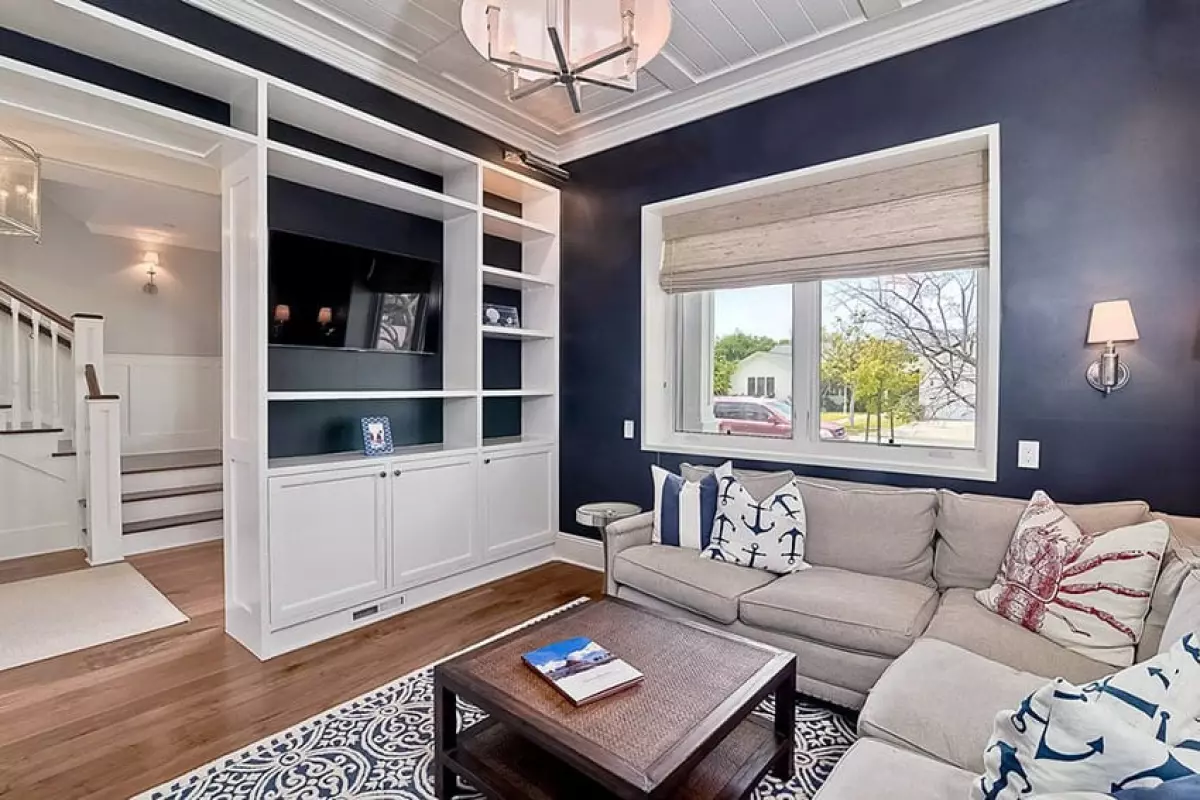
763 416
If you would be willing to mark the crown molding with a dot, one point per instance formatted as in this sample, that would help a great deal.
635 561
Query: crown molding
256 17
639 123
707 97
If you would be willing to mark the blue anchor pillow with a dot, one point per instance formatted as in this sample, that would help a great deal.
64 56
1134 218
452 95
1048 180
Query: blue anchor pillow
767 534
1136 729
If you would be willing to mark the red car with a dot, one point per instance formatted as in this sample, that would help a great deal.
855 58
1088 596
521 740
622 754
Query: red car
763 416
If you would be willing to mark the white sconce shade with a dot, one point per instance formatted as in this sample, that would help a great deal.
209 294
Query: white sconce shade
324 316
283 313
20 190
1112 321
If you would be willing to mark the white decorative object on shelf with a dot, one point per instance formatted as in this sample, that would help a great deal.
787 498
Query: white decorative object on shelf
20 175
546 43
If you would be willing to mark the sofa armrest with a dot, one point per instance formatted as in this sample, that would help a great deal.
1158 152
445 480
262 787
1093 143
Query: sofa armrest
621 535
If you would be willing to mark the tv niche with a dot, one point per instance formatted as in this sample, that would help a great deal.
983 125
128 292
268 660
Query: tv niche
330 295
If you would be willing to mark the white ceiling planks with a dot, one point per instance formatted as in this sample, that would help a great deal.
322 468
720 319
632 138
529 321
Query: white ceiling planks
721 53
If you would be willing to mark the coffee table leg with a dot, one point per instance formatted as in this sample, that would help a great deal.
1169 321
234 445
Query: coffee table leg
785 725
445 720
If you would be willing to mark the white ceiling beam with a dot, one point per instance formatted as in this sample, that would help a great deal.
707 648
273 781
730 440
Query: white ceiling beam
669 72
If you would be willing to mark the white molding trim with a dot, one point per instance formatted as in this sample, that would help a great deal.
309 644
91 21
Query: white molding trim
603 131
580 551
36 540
252 15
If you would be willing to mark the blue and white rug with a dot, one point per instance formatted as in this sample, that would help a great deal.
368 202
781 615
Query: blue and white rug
380 747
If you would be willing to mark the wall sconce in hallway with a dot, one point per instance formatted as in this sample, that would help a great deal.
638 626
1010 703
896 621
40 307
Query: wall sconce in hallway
283 313
150 261
1112 322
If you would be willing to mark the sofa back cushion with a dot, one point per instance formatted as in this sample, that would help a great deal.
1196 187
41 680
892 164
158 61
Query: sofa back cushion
974 532
875 530
1181 561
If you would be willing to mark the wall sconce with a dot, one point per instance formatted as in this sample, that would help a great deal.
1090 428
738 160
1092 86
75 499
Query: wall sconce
324 317
1112 322
150 260
282 314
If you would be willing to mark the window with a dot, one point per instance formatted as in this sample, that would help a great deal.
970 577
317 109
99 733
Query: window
845 315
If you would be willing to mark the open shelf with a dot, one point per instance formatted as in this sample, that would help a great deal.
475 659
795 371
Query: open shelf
513 186
511 279
506 226
320 172
496 332
312 112
490 393
369 394
516 442
299 464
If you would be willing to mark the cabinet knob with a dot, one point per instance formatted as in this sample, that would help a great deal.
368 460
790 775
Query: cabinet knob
396 473
383 474
487 461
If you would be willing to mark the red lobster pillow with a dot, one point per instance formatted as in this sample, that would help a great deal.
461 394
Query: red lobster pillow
1089 592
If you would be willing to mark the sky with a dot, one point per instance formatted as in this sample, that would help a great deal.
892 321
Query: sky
758 310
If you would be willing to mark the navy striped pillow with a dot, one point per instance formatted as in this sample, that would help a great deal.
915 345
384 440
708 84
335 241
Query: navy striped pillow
683 510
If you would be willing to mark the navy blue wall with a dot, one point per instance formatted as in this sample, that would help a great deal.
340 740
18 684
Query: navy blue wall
1099 107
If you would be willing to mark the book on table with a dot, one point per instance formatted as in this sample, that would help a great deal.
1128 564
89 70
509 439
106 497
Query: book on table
582 670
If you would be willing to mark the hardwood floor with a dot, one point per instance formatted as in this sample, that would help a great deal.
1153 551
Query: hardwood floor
121 718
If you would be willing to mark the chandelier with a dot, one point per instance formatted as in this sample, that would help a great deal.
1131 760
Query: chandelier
547 43
20 172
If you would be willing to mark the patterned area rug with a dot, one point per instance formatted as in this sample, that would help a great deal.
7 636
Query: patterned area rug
380 747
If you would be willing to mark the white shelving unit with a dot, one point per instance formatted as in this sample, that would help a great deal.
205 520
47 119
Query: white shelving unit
318 545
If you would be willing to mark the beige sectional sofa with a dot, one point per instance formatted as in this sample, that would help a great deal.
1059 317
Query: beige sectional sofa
886 620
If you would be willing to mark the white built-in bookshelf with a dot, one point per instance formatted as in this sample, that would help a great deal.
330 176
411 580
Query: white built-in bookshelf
317 545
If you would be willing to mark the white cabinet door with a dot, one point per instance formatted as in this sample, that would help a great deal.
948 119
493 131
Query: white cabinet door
516 502
434 519
328 548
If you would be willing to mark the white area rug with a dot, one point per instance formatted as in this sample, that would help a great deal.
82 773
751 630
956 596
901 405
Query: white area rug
46 617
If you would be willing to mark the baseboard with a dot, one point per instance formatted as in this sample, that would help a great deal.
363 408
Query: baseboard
580 551
167 538
37 540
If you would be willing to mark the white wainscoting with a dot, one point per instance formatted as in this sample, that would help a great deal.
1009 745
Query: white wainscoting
38 512
167 402
580 551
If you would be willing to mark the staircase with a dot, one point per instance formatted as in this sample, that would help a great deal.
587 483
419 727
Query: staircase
170 499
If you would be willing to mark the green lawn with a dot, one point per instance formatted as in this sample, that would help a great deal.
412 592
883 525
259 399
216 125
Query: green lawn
859 428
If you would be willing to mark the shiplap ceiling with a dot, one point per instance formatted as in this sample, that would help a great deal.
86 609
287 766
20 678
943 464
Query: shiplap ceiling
721 53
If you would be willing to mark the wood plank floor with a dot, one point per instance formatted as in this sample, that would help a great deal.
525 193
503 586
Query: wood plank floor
120 718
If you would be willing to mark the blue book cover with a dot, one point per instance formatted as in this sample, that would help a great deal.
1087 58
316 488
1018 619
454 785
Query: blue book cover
582 670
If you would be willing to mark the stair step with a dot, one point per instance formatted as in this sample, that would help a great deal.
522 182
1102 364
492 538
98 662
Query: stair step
165 462
27 427
162 494
171 522
64 454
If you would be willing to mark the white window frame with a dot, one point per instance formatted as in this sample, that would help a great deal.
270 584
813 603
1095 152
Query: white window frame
660 332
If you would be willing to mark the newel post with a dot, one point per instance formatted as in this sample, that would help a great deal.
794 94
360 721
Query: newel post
87 347
100 451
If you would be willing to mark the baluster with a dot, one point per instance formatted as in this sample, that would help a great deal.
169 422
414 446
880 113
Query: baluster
35 368
55 379
14 305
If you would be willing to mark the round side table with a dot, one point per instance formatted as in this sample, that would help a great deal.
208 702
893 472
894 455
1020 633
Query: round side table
600 515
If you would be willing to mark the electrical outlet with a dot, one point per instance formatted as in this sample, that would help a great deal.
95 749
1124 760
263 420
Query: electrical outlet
1029 455
628 429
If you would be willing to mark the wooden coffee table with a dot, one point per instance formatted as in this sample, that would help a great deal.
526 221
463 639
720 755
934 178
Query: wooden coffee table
686 731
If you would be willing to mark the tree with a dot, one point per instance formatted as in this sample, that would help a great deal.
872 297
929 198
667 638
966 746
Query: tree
729 350
840 352
935 315
887 379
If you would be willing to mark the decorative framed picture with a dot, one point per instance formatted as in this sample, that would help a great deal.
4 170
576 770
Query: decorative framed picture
377 436
501 316
400 321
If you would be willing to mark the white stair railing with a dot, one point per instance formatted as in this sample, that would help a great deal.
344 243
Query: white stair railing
100 468
33 370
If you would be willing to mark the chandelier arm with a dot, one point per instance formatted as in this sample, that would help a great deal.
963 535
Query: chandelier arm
533 87
531 64
573 95
601 57
625 86
564 66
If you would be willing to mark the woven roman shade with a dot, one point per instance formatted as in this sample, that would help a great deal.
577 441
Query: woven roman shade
916 218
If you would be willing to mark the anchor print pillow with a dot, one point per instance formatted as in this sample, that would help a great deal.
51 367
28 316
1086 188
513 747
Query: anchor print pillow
1136 729
767 534
1088 592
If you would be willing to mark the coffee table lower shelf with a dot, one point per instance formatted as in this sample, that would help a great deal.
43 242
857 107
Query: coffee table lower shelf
502 765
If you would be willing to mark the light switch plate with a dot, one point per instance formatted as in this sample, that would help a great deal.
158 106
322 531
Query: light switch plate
1029 455
629 429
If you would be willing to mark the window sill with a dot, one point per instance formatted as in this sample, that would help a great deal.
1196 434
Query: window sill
937 464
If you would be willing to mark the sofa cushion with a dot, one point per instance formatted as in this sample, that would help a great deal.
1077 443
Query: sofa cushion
876 531
682 577
974 532
1185 617
918 703
683 509
872 769
760 484
765 534
845 609
1181 560
961 620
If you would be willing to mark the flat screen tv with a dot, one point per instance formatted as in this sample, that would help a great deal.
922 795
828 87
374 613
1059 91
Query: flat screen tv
326 294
